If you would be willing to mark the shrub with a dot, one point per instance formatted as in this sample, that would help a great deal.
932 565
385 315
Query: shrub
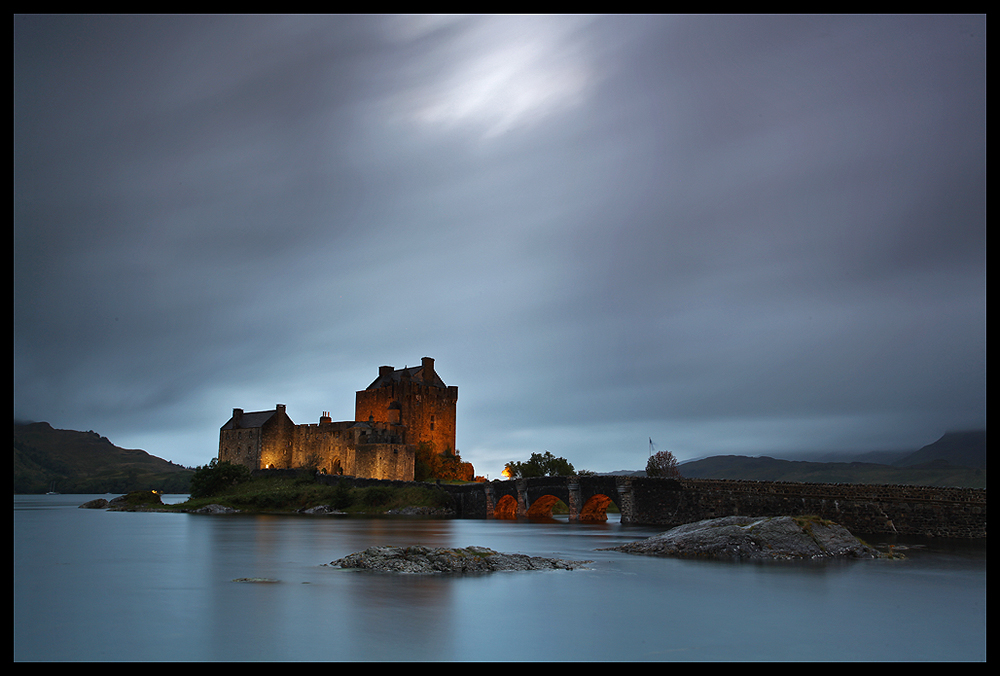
663 464
217 476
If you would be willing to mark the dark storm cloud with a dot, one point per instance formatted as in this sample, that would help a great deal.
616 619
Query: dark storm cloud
735 234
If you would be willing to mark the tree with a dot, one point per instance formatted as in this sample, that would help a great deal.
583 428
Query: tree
217 476
446 466
663 464
539 465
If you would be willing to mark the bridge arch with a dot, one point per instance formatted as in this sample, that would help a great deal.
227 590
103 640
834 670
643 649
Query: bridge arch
596 508
506 508
587 498
542 493
541 507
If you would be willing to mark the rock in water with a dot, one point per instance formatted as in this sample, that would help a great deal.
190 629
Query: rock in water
756 538
420 559
99 503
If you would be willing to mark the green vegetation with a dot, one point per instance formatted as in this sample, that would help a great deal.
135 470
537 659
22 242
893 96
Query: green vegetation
807 521
143 499
539 465
217 476
663 464
291 494
447 466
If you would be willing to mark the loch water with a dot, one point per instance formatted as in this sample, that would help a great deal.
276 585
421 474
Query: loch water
93 585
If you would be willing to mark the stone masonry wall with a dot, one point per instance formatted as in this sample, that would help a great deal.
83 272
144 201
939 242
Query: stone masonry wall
862 508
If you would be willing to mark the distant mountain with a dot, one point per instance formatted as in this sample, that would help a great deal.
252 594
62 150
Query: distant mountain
877 457
67 461
957 459
964 449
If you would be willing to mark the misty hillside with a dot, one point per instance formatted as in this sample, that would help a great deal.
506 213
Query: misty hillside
964 449
957 459
67 461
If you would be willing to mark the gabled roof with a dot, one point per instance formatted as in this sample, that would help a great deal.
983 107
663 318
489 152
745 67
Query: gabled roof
250 420
415 373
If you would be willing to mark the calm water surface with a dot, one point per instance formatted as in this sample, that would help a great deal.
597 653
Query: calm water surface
95 585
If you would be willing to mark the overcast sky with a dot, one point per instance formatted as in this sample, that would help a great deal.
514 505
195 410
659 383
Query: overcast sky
727 234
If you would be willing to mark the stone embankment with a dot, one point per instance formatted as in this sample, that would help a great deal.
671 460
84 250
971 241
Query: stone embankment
755 538
420 559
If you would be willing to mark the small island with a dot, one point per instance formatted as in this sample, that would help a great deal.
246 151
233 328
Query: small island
755 538
426 560
290 492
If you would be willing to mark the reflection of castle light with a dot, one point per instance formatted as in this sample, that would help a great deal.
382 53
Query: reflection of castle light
399 410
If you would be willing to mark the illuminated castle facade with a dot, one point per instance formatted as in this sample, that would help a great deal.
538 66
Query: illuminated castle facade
401 409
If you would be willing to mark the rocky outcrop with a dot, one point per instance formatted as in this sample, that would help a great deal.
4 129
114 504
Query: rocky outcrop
215 509
420 559
755 538
321 510
137 501
99 503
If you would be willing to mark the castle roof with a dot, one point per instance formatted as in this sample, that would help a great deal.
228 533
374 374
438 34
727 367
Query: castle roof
250 420
424 373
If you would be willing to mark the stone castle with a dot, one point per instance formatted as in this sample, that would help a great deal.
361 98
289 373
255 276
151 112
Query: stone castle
401 409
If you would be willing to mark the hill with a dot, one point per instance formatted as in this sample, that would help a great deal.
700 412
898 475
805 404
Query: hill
964 449
956 459
67 461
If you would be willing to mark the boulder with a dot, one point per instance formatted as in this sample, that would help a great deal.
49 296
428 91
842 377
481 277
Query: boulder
755 538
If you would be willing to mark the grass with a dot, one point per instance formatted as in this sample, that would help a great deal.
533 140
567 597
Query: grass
284 495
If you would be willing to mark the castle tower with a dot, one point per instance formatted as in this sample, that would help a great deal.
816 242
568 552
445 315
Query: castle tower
416 398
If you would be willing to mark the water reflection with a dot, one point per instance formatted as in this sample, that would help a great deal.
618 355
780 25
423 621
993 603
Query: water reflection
165 583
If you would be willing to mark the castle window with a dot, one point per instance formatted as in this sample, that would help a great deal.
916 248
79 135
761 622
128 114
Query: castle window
432 423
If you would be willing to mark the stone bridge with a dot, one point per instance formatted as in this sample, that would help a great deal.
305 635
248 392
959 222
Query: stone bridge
643 501
862 508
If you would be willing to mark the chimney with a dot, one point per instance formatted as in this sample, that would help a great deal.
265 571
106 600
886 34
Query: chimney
279 408
237 415
384 371
428 365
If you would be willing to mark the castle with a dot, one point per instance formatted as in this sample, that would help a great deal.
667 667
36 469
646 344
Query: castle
401 409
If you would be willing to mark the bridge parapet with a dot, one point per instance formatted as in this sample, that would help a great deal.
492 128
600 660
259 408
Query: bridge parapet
862 508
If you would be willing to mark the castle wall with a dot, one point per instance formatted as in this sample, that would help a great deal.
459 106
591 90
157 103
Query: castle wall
242 441
364 450
331 445
277 440
394 462
240 447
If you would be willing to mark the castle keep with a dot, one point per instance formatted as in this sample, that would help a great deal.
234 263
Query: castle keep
401 409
